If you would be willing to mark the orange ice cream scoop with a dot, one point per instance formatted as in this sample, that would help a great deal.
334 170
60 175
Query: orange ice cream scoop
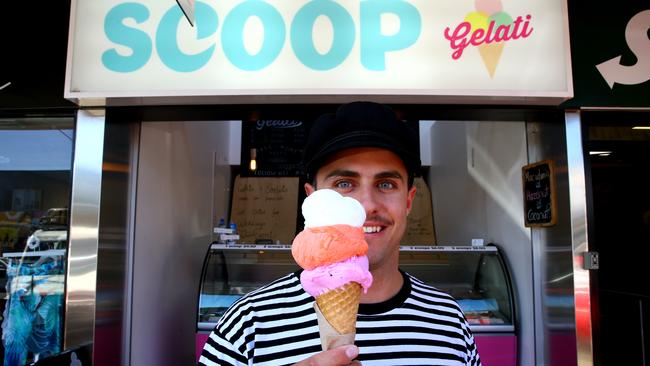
324 245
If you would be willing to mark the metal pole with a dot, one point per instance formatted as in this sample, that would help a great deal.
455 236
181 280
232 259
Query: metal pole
579 243
81 276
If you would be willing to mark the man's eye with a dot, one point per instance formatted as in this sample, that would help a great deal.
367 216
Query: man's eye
343 184
386 185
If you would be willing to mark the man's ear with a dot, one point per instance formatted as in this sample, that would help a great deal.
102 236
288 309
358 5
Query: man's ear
309 189
410 196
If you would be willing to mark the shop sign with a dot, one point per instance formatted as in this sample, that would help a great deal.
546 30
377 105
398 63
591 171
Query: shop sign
611 54
492 50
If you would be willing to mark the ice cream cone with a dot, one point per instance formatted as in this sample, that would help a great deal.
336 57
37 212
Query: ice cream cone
337 315
491 53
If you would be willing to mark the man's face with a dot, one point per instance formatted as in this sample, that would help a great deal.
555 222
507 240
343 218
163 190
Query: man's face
378 179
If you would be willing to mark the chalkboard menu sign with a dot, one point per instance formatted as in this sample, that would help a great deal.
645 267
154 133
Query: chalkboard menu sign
276 146
539 194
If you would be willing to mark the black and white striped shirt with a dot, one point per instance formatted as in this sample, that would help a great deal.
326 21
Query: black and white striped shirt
276 325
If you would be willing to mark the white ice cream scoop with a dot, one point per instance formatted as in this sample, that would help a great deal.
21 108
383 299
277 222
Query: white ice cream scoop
327 207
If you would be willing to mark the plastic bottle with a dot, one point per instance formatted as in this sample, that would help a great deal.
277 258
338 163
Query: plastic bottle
233 229
221 225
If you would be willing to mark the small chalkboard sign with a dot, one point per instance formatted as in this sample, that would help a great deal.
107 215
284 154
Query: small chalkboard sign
539 194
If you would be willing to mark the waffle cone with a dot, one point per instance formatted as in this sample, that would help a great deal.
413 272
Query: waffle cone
340 307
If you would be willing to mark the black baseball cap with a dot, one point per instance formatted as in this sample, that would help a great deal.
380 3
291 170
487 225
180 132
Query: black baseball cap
361 124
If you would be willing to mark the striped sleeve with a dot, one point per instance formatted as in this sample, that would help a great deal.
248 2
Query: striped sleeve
219 351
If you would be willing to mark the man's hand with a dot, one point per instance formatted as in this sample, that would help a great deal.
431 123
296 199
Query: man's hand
340 356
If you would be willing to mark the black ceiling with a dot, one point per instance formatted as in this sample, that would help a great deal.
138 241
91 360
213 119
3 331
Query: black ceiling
33 58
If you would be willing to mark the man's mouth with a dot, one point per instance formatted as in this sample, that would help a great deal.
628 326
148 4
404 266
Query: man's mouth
375 224
372 229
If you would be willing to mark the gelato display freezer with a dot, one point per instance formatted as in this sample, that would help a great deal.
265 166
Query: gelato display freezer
476 276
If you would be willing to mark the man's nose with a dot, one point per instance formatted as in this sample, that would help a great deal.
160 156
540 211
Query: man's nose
368 199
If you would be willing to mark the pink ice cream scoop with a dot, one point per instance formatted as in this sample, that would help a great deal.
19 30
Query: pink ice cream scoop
488 7
326 278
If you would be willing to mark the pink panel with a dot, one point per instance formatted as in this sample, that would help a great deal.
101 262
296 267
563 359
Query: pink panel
201 338
496 350
107 346
563 349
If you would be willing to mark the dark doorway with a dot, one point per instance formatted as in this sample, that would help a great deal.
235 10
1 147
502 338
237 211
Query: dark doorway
618 157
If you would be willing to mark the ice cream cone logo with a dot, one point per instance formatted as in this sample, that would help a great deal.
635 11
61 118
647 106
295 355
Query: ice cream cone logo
488 28
489 13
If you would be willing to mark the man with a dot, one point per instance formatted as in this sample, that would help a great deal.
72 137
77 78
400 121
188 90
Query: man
363 152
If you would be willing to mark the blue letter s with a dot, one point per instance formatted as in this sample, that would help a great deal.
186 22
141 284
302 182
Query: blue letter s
133 38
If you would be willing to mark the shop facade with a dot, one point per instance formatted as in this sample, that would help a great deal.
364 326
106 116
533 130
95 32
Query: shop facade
312 56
